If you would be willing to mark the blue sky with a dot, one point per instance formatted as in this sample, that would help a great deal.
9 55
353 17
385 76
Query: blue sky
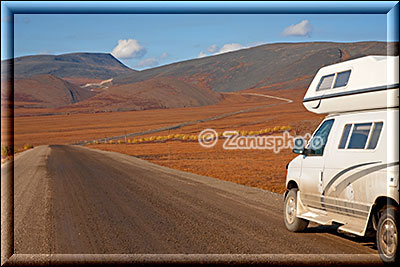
144 41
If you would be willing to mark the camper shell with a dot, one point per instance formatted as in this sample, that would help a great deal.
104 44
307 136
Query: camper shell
352 179
360 84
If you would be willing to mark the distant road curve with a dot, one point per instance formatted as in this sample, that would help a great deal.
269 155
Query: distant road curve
183 124
76 200
270 96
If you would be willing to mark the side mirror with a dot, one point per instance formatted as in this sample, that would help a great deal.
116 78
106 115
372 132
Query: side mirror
298 151
299 146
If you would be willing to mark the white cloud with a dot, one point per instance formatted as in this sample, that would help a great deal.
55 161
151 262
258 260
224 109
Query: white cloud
130 48
212 48
201 54
303 28
164 55
230 47
147 62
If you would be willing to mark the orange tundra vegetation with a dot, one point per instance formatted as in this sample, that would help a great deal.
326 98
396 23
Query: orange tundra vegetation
259 168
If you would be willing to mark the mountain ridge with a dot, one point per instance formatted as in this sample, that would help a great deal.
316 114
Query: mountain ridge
108 85
87 65
245 68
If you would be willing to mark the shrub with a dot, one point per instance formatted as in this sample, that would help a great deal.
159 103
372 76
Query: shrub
284 128
230 134
27 146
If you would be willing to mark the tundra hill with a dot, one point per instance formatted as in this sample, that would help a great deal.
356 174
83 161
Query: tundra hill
155 93
271 66
188 83
46 91
83 67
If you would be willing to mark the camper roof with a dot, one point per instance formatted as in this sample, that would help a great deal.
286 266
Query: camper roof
366 79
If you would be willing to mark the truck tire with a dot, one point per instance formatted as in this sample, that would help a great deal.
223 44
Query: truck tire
293 223
387 235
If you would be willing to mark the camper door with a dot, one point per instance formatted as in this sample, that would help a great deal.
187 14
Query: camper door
312 174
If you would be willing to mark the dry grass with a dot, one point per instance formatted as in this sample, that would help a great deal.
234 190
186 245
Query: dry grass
67 129
260 168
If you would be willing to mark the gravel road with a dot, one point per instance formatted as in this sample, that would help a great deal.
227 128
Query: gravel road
76 200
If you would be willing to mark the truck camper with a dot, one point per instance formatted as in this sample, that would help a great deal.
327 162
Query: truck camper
348 172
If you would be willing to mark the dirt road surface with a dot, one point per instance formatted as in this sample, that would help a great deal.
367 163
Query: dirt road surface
75 200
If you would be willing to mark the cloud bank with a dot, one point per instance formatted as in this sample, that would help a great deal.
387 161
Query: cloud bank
127 49
303 28
201 54
215 50
147 62
230 47
212 48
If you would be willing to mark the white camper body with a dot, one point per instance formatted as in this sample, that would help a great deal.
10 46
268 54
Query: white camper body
370 82
354 175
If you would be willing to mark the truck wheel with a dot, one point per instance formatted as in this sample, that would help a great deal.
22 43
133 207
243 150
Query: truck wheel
387 236
293 223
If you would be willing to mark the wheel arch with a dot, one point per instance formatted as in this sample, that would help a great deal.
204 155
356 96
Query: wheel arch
290 185
379 203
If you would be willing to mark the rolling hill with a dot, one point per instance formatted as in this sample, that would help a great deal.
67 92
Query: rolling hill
50 81
156 93
266 66
76 65
47 91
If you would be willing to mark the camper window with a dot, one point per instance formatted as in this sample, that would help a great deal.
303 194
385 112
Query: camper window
345 136
318 142
342 78
375 135
326 82
359 136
